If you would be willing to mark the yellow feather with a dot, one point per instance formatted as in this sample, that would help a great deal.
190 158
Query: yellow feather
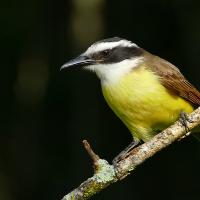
144 105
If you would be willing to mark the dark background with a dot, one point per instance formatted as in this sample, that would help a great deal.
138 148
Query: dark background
45 114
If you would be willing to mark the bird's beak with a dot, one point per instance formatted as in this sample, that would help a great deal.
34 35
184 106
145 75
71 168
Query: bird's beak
80 61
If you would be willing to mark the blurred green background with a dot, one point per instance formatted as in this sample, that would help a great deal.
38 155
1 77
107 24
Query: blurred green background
45 114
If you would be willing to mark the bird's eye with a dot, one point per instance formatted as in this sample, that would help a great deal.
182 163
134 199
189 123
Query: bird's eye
105 53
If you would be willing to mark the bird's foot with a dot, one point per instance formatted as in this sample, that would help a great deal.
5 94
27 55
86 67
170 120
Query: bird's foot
125 152
184 119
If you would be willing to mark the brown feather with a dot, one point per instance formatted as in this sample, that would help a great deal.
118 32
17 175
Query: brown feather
172 79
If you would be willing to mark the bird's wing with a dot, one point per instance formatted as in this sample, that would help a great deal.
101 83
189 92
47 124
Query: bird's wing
173 80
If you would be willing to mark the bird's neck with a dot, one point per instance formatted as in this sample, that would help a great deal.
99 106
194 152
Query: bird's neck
110 74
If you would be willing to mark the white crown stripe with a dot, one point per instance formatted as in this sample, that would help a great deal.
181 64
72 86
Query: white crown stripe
108 45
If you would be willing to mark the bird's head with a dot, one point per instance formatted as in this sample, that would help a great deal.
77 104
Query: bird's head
109 58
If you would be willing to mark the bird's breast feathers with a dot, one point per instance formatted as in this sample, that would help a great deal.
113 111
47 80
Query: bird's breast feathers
143 103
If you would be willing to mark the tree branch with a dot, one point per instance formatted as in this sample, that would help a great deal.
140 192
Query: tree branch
106 174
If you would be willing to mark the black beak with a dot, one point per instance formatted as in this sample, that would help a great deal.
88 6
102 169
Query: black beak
80 61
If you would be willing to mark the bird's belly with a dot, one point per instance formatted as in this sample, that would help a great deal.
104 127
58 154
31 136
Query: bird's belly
143 104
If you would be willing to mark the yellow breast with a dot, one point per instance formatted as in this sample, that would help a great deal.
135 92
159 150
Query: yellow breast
143 104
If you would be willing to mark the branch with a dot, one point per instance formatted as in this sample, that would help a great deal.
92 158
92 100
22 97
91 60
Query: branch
106 174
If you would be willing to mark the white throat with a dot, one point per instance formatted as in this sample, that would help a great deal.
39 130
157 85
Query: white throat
111 73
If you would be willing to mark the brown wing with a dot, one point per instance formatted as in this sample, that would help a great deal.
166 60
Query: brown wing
173 80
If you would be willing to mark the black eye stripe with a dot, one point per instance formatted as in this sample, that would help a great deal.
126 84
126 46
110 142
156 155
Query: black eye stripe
102 54
105 52
117 54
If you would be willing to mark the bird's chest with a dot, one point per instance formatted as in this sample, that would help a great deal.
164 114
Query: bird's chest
134 96
140 101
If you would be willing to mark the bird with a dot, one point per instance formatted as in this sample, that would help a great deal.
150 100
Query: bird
146 92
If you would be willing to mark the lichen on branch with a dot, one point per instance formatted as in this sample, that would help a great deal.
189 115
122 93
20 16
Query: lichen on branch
106 174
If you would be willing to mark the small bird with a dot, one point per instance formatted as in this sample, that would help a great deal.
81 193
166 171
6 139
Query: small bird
145 91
